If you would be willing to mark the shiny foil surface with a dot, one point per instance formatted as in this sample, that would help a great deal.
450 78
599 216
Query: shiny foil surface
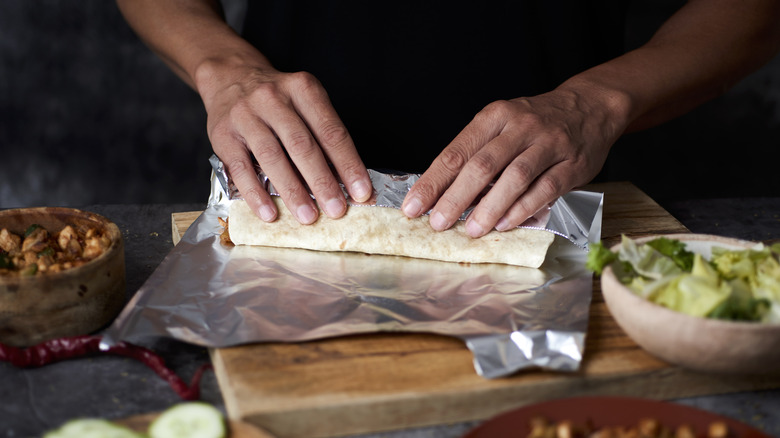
510 317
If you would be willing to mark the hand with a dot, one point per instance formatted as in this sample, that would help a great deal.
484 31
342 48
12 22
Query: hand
538 148
286 121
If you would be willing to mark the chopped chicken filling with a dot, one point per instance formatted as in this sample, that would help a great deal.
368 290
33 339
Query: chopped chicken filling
39 251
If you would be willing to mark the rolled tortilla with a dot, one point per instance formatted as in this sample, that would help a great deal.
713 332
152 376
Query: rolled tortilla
384 230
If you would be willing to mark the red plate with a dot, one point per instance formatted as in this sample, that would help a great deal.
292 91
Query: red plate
607 412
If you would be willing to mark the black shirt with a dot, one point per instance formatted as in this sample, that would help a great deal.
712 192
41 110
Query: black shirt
407 76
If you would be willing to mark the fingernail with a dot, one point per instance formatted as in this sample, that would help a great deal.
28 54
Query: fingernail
306 214
439 222
334 207
267 213
503 224
474 229
413 207
361 191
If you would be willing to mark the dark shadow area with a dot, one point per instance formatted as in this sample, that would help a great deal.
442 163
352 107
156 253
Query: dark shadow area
89 115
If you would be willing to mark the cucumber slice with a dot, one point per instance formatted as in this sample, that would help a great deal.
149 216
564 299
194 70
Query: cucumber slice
91 428
189 420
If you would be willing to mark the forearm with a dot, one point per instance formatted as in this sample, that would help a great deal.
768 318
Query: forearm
282 121
698 54
189 36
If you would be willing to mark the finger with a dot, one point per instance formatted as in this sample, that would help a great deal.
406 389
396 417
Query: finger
514 181
305 153
238 163
314 105
275 163
446 168
477 174
545 190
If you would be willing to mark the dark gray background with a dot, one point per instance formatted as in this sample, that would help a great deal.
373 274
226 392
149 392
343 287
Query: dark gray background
88 115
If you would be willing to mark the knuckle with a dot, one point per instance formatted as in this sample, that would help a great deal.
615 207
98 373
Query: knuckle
265 92
238 167
533 121
498 107
559 135
549 187
352 170
453 159
218 131
484 164
252 195
425 190
297 193
269 156
239 110
321 183
300 143
303 81
333 133
520 170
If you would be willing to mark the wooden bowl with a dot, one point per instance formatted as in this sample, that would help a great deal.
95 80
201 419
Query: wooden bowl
701 344
72 302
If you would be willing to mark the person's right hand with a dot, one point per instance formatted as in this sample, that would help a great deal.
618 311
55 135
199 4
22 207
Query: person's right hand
286 121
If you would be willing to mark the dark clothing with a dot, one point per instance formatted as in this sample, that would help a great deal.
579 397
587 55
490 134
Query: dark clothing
407 76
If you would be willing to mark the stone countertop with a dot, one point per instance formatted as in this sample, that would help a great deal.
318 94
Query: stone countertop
36 400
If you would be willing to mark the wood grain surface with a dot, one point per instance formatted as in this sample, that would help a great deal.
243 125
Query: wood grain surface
370 383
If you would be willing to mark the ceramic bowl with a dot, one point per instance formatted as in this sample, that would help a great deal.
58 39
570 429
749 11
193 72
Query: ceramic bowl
72 302
700 344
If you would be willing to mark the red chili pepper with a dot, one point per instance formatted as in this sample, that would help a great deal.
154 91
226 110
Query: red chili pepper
56 350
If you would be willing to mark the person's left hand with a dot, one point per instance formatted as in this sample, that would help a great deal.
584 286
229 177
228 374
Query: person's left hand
538 148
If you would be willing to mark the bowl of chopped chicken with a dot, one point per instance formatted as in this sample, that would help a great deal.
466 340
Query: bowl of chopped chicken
62 273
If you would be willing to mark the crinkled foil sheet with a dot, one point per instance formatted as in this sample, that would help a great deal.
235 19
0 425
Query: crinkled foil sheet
510 317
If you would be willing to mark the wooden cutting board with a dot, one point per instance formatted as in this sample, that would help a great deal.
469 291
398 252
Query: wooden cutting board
371 383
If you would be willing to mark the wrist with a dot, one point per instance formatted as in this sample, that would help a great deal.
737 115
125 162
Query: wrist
216 72
613 106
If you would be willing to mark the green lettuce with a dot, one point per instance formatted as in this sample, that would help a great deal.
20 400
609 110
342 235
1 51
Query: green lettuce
697 293
733 284
599 257
646 260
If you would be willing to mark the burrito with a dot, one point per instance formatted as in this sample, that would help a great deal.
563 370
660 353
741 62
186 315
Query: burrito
387 231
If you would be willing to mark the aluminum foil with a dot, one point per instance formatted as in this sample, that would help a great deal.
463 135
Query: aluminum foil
510 317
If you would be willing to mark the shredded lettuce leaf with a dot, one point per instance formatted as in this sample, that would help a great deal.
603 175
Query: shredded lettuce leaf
696 293
734 284
646 260
599 257
675 250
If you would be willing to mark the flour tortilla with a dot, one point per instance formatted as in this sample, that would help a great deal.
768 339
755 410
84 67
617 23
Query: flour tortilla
384 230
